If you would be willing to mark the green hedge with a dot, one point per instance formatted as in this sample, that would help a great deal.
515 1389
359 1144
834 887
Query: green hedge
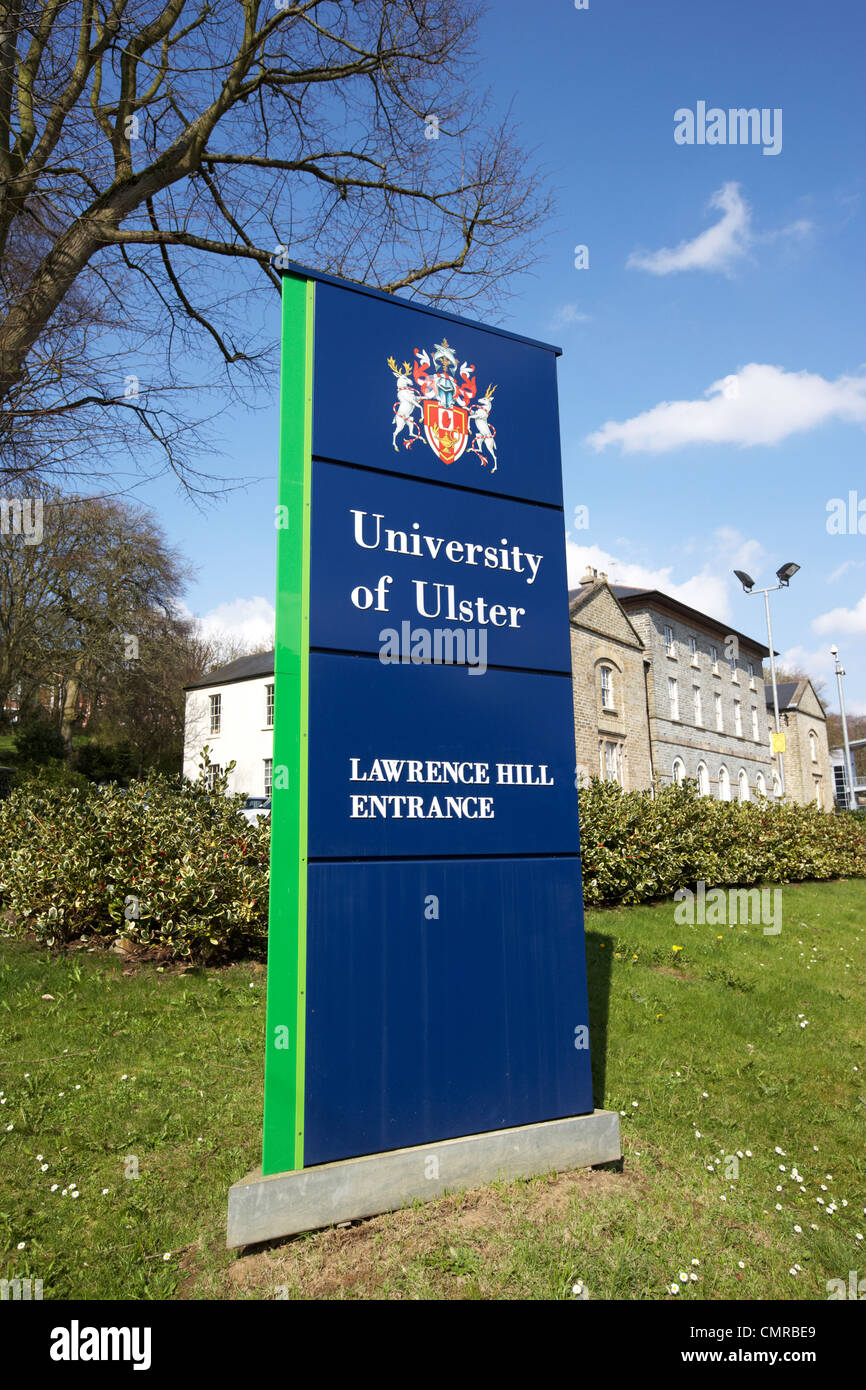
159 864
176 866
635 847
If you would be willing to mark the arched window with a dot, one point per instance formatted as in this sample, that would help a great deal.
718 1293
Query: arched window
743 785
606 687
777 785
703 779
760 784
813 746
679 771
724 784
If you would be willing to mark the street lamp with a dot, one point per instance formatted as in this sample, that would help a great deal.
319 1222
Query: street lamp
784 574
850 799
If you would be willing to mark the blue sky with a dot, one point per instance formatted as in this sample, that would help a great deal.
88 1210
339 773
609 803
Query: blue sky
723 281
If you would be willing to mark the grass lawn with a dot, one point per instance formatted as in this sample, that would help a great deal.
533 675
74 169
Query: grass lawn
140 1090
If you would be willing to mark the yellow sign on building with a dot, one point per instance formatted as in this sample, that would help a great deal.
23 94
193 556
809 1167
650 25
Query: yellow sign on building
778 743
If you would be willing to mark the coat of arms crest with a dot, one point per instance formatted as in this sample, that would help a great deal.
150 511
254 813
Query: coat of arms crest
443 390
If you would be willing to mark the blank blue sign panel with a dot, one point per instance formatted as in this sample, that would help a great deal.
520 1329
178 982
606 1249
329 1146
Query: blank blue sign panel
429 760
454 1011
389 550
357 394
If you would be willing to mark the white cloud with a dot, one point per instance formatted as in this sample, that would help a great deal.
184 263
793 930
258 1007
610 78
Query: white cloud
721 245
715 249
843 569
843 621
566 315
705 591
736 551
760 404
246 621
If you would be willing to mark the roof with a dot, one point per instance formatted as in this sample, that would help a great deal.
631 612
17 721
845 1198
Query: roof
787 690
635 598
246 668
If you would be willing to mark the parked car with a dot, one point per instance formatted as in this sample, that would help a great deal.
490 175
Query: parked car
255 807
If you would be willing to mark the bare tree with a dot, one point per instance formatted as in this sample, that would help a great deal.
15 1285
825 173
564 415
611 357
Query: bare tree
154 155
85 603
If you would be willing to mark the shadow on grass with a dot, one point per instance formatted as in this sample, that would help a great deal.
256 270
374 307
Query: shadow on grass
599 956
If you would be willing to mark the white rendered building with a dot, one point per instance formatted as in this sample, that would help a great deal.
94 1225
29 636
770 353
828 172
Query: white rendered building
231 712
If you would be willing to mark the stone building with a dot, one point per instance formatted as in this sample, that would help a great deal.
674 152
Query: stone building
707 709
609 683
677 693
808 774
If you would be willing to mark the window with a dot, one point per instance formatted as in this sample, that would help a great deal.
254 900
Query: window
216 713
679 771
714 660
738 718
743 786
693 650
755 734
777 785
699 706
213 772
606 687
269 706
720 723
269 773
760 784
610 754
817 793
732 662
674 697
724 784
751 675
813 747
703 779
669 641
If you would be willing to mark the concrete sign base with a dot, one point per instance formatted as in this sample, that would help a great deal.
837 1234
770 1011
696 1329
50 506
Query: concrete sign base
284 1204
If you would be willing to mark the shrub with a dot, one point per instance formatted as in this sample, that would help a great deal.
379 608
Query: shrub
636 847
163 864
39 742
106 762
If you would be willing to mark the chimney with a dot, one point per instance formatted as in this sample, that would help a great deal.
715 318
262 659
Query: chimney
590 575
603 577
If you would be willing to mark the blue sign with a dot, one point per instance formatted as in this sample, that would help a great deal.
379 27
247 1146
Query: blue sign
427 974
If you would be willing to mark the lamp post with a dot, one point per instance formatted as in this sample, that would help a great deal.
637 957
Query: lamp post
849 766
784 575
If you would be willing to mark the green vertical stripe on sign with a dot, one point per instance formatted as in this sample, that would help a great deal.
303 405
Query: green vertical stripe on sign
283 1148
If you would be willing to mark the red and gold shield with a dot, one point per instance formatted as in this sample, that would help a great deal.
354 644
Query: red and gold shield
447 430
